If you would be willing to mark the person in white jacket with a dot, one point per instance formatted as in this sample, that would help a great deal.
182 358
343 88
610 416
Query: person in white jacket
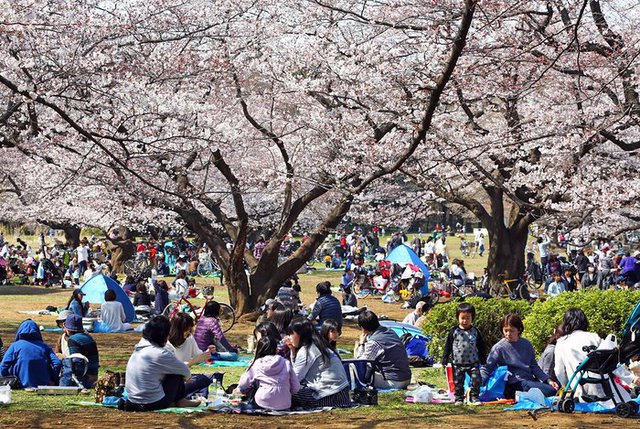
569 353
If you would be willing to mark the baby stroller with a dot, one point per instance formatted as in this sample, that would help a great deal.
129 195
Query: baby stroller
598 367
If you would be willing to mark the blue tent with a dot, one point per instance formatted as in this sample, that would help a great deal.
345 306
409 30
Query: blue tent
403 255
96 286
402 328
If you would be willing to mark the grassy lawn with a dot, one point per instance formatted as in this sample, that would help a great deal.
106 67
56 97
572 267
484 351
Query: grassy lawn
31 410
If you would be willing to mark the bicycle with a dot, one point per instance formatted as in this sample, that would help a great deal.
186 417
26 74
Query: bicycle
522 289
138 267
227 316
207 268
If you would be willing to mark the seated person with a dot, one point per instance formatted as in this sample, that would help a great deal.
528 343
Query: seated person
82 362
327 306
142 299
348 277
130 286
319 370
162 296
208 332
155 376
182 344
75 304
348 298
557 286
518 355
112 313
330 332
272 377
382 345
415 315
288 296
29 359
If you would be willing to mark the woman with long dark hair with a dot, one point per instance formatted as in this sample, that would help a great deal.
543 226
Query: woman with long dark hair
75 304
271 375
208 332
319 370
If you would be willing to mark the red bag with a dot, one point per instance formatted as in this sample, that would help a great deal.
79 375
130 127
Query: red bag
450 382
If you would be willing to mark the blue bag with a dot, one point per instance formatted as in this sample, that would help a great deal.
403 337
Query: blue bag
494 387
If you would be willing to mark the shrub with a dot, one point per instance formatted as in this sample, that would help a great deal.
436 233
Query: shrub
489 312
607 312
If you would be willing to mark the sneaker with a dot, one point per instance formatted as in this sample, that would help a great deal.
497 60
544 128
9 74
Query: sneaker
474 402
459 402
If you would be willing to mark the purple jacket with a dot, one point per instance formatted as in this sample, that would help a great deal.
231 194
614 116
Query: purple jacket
208 332
275 379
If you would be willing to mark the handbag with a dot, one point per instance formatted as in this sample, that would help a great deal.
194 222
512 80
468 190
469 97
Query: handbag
365 396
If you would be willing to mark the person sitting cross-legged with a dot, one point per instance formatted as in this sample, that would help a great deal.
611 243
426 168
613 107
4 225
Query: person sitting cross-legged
382 345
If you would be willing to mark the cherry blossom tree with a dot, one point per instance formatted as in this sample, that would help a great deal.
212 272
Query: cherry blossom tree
234 116
541 120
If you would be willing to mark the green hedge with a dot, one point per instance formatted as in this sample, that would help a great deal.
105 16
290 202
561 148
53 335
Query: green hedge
607 311
489 312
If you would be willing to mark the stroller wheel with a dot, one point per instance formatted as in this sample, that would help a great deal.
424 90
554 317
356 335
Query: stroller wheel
624 410
568 406
634 407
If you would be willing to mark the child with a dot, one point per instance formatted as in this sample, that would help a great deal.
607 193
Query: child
466 349
557 286
272 374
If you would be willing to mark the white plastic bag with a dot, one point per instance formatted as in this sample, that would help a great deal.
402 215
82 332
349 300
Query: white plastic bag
534 395
5 395
422 394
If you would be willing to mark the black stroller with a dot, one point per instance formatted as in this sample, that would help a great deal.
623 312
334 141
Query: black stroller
598 367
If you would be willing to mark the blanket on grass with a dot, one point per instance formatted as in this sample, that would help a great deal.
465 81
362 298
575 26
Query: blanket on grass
241 362
584 407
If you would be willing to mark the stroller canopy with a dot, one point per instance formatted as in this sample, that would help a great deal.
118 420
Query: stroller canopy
96 286
403 255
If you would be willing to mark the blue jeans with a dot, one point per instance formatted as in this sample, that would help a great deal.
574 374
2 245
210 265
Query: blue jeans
546 389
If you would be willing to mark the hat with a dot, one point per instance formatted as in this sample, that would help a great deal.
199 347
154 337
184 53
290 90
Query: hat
74 323
78 292
267 304
62 316
636 253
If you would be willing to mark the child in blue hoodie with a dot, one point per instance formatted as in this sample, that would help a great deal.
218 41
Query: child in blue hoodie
29 359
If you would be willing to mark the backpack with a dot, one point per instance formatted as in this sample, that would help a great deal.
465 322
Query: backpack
110 384
417 350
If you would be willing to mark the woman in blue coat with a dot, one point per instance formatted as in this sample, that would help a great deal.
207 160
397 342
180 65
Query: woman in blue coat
29 359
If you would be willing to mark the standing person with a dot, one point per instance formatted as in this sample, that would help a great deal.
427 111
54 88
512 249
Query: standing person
75 304
543 251
605 265
259 247
465 350
272 377
582 263
162 296
590 279
380 344
82 253
112 313
518 355
83 361
319 370
481 244
181 284
327 306
29 359
155 376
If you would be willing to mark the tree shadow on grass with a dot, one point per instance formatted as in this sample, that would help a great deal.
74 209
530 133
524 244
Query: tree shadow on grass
30 290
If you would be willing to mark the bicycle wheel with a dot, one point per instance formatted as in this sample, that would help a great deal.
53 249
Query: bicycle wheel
362 293
533 289
227 317
434 296
498 290
205 268
465 290
170 310
129 267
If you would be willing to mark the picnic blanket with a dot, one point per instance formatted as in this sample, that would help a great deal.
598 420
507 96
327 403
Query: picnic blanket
241 362
173 410
584 407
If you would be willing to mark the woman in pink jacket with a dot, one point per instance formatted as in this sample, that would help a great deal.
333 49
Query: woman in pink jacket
271 377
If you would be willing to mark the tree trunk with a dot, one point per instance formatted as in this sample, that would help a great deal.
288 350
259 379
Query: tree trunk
122 249
72 235
506 252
